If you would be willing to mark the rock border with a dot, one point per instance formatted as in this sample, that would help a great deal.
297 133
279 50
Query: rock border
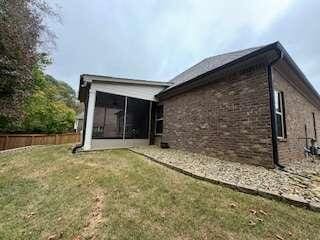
293 200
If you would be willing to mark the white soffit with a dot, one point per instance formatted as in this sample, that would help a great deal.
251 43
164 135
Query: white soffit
141 91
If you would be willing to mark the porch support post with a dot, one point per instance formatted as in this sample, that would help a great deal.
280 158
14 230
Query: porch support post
150 119
89 122
125 120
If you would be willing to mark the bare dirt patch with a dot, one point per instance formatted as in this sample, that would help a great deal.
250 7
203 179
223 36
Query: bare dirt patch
43 173
89 164
95 218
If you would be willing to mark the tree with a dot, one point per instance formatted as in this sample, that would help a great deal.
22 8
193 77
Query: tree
22 33
65 93
45 115
50 108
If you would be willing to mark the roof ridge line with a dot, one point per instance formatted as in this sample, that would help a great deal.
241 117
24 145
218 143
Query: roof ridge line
216 56
236 51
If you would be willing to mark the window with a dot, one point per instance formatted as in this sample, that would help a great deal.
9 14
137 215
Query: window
314 126
159 120
280 114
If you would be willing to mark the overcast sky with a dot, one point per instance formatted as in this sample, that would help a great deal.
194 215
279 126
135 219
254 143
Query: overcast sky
156 40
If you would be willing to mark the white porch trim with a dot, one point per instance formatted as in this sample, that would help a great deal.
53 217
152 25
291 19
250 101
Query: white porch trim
146 92
89 124
136 89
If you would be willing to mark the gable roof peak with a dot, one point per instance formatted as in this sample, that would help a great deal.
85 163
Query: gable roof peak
211 63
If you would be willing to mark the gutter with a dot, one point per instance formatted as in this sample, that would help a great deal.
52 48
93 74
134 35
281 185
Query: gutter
272 111
74 150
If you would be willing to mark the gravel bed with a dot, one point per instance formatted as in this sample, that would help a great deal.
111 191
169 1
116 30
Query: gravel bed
301 179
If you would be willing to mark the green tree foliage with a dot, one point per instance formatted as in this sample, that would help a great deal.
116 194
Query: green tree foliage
64 93
45 115
51 108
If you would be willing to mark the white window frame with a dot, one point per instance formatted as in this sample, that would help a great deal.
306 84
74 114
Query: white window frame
280 112
158 120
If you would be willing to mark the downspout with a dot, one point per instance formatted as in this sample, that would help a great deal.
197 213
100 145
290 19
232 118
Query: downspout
272 111
74 150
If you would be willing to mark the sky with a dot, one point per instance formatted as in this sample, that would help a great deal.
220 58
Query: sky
157 40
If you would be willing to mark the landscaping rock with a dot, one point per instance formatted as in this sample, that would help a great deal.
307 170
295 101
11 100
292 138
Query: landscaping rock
299 182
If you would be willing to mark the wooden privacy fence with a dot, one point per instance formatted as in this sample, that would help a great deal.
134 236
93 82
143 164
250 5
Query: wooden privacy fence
9 141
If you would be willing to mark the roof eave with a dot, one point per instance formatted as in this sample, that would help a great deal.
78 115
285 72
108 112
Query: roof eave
297 70
99 78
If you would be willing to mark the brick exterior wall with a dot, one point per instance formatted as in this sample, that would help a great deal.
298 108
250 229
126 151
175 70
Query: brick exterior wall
228 118
298 113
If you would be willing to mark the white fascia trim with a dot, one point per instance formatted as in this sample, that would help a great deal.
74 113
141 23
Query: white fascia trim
91 78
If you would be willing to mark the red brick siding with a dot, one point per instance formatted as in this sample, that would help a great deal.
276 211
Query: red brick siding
298 113
228 119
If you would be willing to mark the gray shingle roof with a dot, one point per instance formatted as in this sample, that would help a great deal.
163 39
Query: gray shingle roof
210 64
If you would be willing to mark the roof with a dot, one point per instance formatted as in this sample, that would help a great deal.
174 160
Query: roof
196 75
202 72
209 64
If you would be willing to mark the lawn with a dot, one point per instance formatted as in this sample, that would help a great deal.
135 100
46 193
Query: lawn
48 193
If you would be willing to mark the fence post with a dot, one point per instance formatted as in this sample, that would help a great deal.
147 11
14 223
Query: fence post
32 140
6 143
57 137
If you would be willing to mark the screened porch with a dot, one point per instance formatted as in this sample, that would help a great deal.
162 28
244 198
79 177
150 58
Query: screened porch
120 121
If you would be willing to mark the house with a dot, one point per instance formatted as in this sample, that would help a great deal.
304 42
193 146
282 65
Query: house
251 106
78 123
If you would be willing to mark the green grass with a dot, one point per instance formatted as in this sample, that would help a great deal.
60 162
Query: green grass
120 195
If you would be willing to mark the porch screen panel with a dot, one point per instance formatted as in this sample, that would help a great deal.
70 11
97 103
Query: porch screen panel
137 121
108 116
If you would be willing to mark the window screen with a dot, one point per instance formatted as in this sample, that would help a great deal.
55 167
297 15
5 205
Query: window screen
108 116
137 121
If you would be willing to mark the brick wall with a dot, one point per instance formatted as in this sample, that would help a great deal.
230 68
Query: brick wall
298 113
228 119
